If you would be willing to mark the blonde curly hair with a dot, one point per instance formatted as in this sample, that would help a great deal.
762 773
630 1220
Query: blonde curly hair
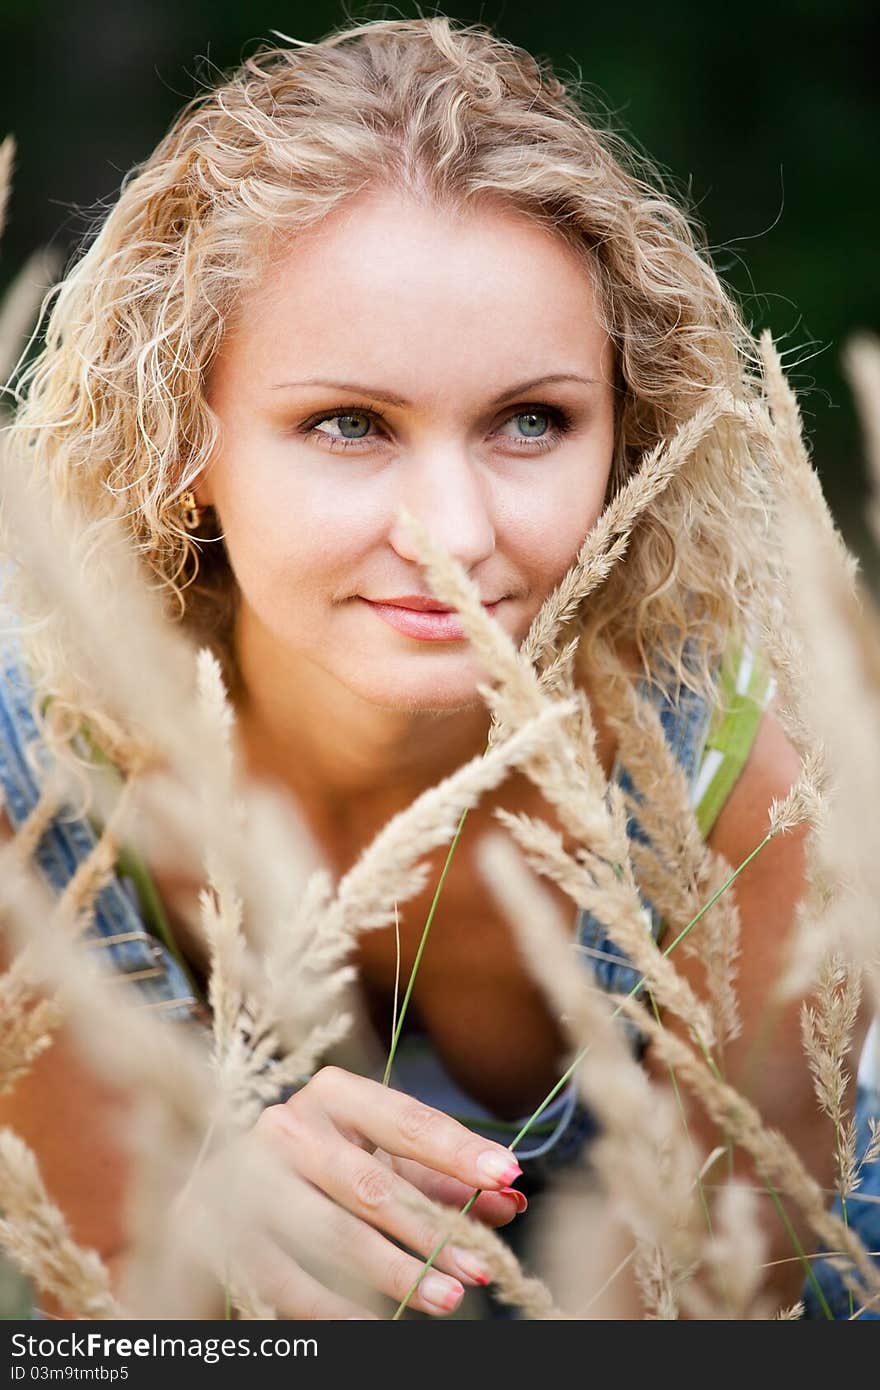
113 412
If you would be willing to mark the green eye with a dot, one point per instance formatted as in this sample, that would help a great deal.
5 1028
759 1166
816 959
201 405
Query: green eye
541 427
531 416
352 415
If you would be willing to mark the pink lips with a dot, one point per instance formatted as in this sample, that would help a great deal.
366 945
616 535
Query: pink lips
426 620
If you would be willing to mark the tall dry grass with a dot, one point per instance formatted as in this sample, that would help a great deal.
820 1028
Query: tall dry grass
279 932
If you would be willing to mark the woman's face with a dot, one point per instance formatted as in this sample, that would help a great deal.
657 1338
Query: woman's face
395 355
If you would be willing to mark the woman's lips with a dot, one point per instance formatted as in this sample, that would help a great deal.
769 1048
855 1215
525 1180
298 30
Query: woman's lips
425 627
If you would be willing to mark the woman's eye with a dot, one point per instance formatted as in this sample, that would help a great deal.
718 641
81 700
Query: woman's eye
533 424
353 425
536 428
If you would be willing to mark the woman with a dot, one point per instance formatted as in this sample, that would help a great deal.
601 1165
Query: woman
400 267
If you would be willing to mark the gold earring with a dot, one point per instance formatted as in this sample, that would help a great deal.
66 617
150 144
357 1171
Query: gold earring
190 510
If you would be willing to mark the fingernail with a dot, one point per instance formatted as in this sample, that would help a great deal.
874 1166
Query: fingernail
519 1197
469 1265
499 1167
444 1293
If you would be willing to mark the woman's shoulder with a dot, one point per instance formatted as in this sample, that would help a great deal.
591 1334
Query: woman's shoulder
770 770
735 732
711 732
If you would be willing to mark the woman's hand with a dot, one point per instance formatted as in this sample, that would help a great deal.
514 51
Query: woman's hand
355 1151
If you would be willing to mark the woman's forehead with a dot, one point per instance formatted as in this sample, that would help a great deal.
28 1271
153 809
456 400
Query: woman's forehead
403 289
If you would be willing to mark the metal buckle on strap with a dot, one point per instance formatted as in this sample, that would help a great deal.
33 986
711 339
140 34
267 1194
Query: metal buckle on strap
186 999
118 938
151 973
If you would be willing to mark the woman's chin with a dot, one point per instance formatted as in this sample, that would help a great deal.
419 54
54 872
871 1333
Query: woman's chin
441 693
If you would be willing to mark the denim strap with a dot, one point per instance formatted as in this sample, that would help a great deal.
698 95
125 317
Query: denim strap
116 928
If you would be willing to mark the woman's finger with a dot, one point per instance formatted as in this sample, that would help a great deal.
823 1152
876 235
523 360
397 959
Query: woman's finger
378 1197
277 1279
492 1208
318 1230
404 1126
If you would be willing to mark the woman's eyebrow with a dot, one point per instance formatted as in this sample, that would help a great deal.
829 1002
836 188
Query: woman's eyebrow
402 404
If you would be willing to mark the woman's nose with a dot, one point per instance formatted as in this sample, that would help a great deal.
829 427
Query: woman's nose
448 497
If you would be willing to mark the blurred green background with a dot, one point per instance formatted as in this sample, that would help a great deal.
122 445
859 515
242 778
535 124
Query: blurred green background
762 114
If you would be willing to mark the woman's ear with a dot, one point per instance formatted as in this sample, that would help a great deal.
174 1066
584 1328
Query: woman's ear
202 489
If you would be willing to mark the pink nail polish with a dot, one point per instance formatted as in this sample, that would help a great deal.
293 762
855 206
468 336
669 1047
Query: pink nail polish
521 1200
443 1292
498 1167
469 1266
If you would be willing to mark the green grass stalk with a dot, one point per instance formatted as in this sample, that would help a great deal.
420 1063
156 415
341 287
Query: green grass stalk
569 1072
422 943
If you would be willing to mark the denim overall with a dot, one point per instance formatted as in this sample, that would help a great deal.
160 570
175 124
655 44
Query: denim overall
120 930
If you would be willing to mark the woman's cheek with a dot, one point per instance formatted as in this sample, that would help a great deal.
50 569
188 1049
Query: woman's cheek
298 524
548 542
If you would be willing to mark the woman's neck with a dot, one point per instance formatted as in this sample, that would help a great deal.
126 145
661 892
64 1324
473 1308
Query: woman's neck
299 725
352 763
